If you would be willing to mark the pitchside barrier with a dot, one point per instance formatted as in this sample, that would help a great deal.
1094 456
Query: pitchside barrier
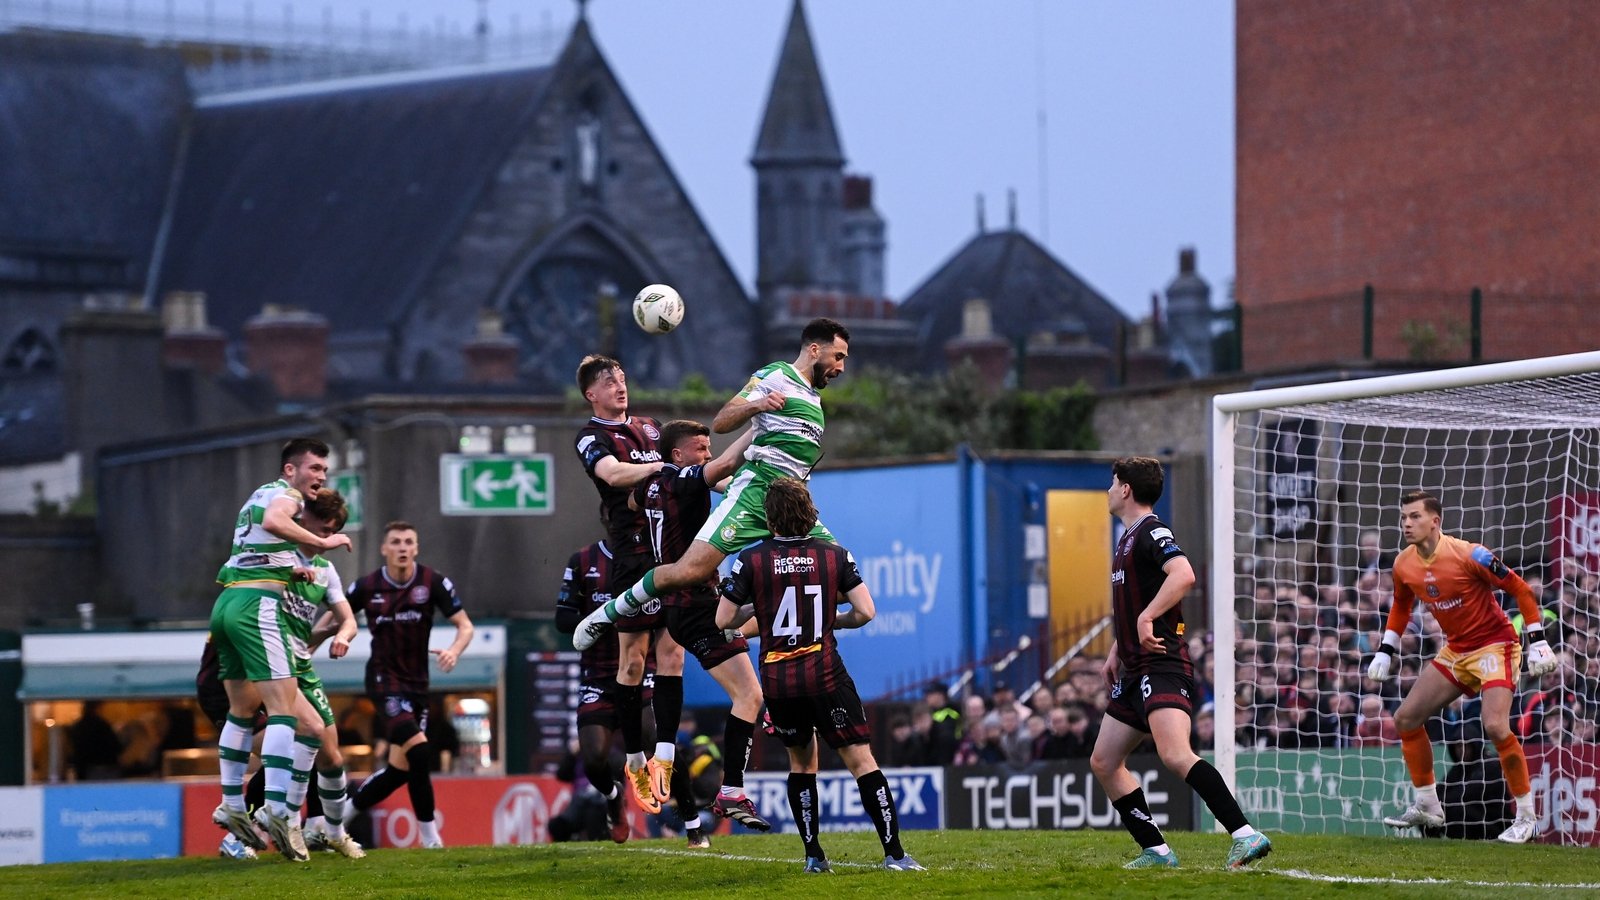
151 820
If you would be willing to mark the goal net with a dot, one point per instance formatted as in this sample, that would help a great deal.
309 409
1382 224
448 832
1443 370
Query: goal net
1307 482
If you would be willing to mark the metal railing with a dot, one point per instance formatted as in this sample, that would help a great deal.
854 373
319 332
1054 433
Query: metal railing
1420 327
270 44
1027 661
1066 657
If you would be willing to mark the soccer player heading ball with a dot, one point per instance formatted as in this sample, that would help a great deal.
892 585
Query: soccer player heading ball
1457 581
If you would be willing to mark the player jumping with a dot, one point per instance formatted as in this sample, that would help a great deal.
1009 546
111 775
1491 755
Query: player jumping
676 502
253 655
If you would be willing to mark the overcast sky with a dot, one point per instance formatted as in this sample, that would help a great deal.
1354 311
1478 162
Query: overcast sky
938 100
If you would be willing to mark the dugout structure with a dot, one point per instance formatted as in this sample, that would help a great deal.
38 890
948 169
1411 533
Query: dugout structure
1299 474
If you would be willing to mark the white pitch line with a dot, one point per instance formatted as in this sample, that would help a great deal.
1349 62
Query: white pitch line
1362 879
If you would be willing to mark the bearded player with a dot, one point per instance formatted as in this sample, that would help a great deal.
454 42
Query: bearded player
1457 580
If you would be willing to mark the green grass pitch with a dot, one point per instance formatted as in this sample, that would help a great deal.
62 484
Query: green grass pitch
960 863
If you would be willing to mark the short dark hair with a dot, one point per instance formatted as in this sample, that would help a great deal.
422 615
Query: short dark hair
299 447
790 512
823 331
398 525
593 366
329 506
679 431
1143 474
1429 502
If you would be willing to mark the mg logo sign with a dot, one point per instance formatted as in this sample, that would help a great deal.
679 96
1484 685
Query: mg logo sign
521 816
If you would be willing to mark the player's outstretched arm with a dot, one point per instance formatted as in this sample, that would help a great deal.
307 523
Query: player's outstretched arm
740 410
718 470
279 522
621 474
1541 659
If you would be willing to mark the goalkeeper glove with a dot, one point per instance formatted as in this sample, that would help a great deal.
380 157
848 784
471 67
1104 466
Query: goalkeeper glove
1378 669
1541 659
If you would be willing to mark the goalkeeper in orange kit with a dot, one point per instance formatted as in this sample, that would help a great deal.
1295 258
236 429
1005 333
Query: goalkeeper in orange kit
1457 581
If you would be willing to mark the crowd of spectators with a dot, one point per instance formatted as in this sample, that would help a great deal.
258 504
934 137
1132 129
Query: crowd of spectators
1055 722
1301 652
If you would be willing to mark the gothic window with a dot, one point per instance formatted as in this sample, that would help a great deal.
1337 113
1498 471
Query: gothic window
30 352
577 299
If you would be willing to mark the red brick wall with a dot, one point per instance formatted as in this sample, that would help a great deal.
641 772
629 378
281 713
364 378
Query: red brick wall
1418 146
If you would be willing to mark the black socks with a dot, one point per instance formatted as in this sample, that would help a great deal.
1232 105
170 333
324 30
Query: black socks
1136 818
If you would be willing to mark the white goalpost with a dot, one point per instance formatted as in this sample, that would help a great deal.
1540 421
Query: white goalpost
1302 480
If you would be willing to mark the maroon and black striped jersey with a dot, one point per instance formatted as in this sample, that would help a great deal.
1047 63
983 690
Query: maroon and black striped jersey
631 441
796 586
584 589
400 617
1136 576
675 502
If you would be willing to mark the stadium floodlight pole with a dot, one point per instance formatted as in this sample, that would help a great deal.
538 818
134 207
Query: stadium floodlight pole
1225 412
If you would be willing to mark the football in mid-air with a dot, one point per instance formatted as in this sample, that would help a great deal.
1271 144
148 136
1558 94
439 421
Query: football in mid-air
657 308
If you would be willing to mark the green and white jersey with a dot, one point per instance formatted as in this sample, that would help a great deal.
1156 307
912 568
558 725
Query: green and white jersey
305 602
259 555
789 439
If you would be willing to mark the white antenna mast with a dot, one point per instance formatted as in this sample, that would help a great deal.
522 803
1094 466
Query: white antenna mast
1044 131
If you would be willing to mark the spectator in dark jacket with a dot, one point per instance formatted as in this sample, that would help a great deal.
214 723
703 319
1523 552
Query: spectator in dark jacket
906 746
1477 805
945 733
1069 735
95 745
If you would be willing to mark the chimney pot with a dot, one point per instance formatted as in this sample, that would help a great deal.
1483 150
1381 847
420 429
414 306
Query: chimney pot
492 355
289 347
857 192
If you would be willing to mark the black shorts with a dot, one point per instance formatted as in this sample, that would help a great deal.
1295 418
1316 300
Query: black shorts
597 702
837 717
401 716
625 573
213 699
1135 696
695 627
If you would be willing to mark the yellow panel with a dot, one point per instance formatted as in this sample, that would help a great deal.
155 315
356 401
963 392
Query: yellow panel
1079 535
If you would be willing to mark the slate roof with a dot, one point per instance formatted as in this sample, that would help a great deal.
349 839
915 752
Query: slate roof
798 125
1028 290
339 197
89 129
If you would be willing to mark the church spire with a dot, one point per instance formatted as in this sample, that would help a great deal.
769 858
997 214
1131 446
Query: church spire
798 126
